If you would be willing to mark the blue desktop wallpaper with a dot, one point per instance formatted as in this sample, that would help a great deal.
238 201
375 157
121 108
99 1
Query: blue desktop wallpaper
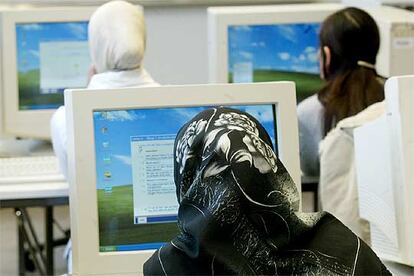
287 47
119 126
276 52
113 129
29 36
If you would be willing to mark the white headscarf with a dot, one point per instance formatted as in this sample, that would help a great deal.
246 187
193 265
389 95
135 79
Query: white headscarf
117 37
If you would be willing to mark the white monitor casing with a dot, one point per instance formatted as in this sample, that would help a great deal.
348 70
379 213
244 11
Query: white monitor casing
384 155
27 123
396 27
396 54
80 105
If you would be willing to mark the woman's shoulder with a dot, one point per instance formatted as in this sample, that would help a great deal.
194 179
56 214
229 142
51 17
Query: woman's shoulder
59 117
310 112
335 244
168 260
342 134
309 105
122 79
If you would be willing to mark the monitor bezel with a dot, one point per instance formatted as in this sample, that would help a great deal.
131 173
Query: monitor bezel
399 98
220 18
80 105
28 123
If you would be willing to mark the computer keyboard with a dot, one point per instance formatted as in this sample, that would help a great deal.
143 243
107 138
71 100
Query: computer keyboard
30 169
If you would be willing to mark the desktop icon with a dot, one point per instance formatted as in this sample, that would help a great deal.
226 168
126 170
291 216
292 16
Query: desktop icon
107 159
107 175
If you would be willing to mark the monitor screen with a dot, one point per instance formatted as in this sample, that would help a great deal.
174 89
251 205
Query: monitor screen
277 52
137 204
50 58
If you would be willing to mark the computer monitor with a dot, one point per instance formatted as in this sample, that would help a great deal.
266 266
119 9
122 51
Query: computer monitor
267 43
384 156
378 2
396 54
262 43
44 51
120 144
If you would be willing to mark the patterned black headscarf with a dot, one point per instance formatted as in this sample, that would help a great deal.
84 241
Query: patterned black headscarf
239 212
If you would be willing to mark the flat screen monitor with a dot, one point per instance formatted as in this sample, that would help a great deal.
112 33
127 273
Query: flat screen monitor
267 43
122 192
44 52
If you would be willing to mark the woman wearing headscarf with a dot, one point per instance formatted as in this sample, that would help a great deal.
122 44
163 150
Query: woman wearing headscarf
117 38
239 210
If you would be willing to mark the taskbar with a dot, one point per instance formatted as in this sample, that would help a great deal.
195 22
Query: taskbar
131 247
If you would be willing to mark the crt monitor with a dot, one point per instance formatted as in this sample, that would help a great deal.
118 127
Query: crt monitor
267 43
44 52
396 54
384 155
137 206
120 144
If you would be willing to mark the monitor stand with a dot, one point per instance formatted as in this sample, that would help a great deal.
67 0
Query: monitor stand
15 147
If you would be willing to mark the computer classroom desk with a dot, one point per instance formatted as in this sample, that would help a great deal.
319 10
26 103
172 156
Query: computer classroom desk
24 195
20 196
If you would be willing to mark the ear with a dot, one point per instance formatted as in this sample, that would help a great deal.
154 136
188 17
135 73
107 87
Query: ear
324 61
328 56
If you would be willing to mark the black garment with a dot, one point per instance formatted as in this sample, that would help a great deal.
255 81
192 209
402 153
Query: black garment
239 210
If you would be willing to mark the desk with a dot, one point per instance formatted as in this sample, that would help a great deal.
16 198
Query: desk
23 195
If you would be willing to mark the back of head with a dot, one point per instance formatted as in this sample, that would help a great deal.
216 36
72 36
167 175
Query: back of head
117 37
352 35
353 39
239 209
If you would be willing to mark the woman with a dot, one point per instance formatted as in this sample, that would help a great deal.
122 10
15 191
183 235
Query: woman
239 213
349 43
338 187
117 38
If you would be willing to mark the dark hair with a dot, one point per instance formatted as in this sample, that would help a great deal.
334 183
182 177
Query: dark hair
352 36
